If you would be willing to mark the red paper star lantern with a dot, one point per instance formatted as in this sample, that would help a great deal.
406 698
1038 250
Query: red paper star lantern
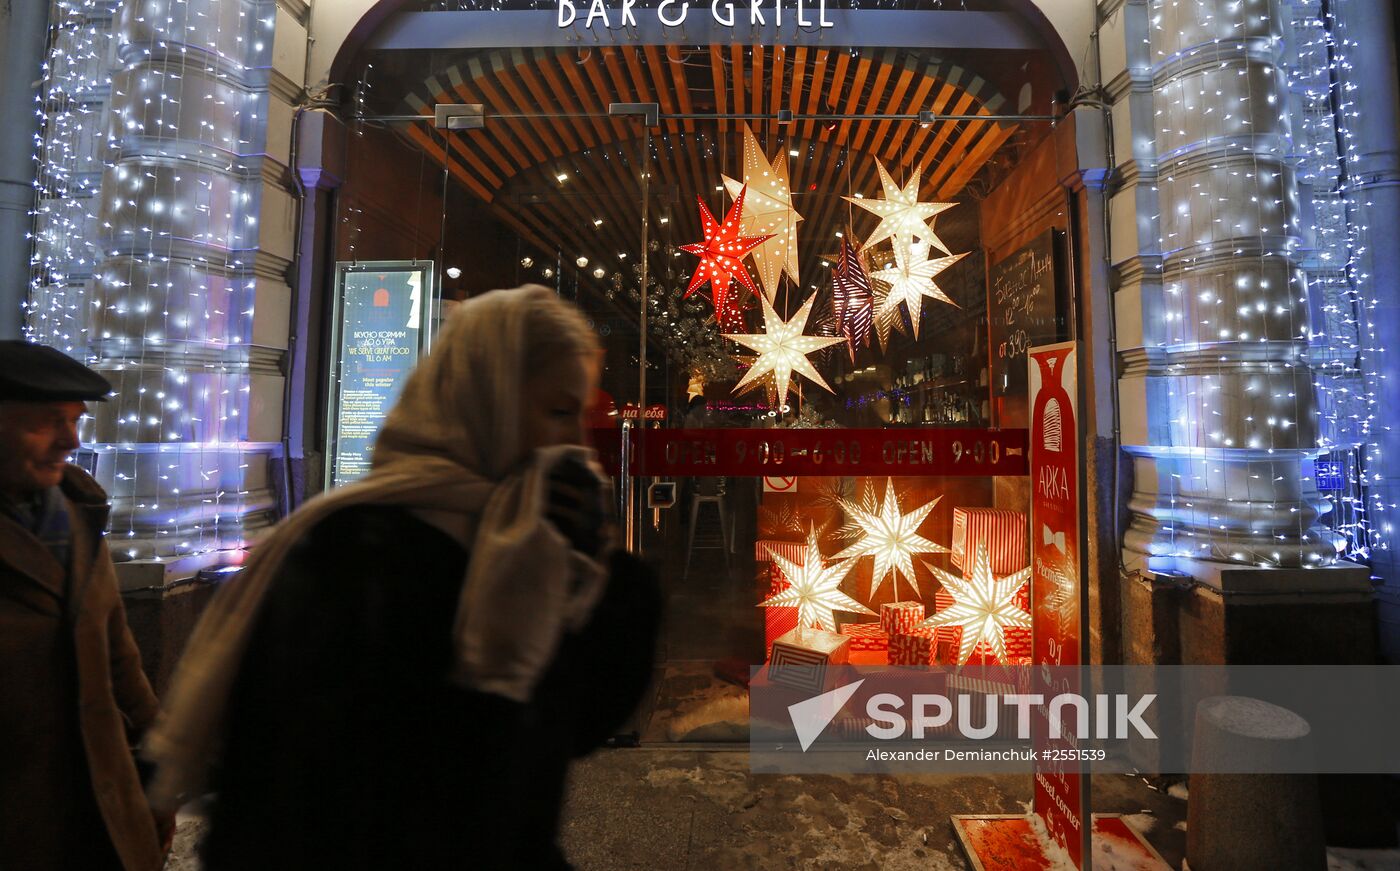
721 260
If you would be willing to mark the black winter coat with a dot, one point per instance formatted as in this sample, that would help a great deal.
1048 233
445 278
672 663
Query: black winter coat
348 748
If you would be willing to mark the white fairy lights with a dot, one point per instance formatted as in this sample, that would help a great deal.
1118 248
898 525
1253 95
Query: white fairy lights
148 190
1259 292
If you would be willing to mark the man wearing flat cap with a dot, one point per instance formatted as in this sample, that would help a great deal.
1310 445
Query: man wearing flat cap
73 698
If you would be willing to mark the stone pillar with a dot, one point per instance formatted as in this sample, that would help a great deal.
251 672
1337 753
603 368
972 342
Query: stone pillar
1217 401
23 35
188 301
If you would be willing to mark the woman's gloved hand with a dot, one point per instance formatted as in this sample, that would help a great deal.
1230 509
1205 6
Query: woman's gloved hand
578 506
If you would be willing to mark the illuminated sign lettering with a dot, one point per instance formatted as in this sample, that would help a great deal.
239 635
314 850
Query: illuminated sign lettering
673 13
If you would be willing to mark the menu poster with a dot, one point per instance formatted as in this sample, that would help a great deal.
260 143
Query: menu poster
381 310
1057 630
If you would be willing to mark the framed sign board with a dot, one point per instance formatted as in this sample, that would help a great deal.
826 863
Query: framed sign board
1026 305
380 328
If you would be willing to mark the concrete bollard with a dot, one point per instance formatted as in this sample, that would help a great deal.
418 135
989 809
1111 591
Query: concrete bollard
1252 821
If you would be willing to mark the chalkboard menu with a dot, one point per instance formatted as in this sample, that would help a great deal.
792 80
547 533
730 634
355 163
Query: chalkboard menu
1023 302
381 320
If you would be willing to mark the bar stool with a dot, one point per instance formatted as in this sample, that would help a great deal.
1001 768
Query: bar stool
709 491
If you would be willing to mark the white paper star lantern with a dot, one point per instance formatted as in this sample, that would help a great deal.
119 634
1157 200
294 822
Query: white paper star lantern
907 283
816 587
903 219
983 605
783 349
768 211
891 537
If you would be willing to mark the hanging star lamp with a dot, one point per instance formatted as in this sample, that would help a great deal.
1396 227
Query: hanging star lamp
903 219
909 281
983 605
768 212
891 537
853 297
782 350
721 260
815 587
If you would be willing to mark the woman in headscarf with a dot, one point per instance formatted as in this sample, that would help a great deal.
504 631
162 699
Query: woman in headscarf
403 671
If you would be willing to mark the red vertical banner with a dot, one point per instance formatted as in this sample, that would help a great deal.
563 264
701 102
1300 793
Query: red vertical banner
1057 631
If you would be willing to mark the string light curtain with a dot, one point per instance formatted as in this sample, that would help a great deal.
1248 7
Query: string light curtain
1346 353
149 259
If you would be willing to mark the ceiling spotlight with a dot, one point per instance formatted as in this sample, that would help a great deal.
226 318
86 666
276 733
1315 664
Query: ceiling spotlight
454 272
597 222
527 262
548 273
581 262
599 272
562 177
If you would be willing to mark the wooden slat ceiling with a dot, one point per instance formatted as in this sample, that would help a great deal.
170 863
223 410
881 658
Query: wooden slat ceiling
547 116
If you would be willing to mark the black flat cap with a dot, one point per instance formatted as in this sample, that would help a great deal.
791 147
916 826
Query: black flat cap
38 373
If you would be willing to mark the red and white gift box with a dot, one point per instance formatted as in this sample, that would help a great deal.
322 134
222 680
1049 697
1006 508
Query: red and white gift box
778 620
1002 531
802 658
897 618
866 636
916 647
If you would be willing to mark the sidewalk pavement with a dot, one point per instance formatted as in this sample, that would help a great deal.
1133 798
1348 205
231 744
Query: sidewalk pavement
674 809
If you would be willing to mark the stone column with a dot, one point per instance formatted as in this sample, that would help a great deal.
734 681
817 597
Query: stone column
23 35
1217 400
189 296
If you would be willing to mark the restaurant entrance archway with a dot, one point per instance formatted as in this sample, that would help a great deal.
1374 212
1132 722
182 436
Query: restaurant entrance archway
895 211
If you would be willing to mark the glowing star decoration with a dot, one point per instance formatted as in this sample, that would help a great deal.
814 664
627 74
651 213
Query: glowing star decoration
783 349
892 537
721 260
768 212
908 282
816 587
903 218
983 605
852 297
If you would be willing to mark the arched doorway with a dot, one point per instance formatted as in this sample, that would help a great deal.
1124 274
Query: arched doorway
884 195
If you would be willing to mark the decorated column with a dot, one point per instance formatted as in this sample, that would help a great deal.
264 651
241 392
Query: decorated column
1217 395
169 275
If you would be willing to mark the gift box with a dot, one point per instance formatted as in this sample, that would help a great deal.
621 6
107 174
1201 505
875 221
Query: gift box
1002 531
866 636
778 620
916 647
896 618
792 551
803 658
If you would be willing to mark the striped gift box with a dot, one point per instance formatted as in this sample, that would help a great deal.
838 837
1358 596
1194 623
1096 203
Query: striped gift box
866 636
777 620
915 647
896 618
802 657
1004 533
792 551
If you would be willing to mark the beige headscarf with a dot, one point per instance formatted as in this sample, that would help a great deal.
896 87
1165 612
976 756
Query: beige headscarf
450 450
